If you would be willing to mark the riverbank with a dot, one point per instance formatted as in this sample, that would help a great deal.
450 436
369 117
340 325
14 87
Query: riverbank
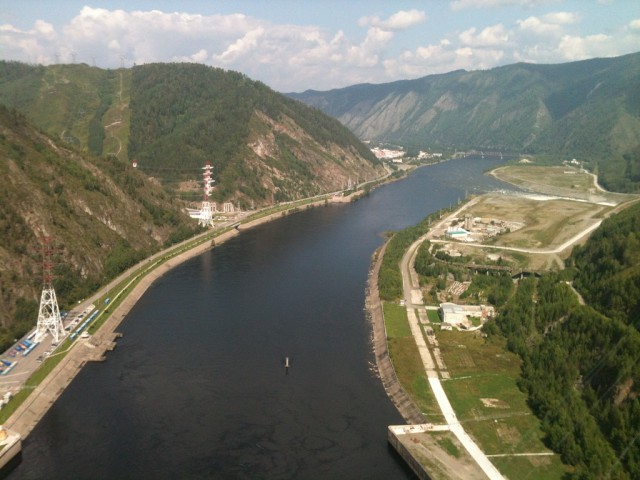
403 402
483 373
140 277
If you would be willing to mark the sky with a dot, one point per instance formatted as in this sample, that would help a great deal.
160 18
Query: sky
295 45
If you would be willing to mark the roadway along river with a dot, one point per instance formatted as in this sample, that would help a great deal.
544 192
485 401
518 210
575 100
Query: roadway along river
197 387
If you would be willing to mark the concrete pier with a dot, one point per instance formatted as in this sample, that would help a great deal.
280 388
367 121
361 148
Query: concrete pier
433 452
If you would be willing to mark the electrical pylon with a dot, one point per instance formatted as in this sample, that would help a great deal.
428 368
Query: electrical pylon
49 320
206 210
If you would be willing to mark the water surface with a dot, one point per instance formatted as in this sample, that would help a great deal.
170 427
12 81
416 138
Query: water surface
197 386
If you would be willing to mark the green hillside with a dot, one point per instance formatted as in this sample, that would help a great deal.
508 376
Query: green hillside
588 110
185 115
580 365
609 267
69 135
101 213
172 118
71 102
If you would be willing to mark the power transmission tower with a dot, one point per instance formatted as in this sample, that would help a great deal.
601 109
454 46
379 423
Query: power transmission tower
206 210
49 320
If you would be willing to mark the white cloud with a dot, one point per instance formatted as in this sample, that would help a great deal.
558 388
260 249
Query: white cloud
579 48
464 4
550 24
490 36
562 18
295 57
398 21
241 47
43 28
442 57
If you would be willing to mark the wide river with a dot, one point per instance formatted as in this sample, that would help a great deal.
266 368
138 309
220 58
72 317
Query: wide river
197 388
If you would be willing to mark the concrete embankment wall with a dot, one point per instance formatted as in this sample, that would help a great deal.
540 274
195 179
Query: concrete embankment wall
407 408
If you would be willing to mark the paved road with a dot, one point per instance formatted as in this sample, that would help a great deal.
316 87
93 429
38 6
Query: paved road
559 249
412 298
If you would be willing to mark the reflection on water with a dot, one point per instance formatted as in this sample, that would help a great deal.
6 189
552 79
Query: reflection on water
197 387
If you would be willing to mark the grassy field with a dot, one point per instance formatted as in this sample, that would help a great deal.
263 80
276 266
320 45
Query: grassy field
484 393
556 180
433 316
530 176
547 224
531 468
486 398
406 362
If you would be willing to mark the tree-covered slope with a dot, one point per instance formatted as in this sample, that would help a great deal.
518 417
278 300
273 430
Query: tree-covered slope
581 374
588 110
580 362
608 267
83 106
263 146
101 214
172 118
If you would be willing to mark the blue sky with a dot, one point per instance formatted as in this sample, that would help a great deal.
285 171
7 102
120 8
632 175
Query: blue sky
294 45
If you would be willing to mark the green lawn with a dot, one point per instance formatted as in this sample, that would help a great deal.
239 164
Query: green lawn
407 363
433 316
395 320
531 468
484 393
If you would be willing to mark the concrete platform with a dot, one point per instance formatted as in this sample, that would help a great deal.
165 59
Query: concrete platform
433 452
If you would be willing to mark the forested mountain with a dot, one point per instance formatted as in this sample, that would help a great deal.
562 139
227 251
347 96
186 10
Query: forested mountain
580 366
588 110
608 267
172 118
102 215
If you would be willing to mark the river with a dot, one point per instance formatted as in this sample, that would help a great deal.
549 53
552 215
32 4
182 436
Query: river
197 388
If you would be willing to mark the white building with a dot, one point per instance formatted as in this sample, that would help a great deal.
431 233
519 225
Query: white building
457 233
458 315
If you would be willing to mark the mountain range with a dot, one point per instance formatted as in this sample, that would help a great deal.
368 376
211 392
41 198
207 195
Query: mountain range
589 110
104 161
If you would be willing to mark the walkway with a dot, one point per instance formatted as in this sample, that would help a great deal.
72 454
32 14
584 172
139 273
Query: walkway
413 298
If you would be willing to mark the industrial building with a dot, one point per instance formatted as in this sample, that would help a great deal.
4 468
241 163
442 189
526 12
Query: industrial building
458 315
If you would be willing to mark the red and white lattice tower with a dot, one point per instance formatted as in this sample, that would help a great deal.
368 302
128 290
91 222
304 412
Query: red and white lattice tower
49 320
206 210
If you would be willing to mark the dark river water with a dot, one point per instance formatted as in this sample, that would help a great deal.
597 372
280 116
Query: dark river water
197 389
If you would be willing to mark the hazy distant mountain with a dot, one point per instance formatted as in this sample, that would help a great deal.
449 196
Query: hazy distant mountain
172 118
588 110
